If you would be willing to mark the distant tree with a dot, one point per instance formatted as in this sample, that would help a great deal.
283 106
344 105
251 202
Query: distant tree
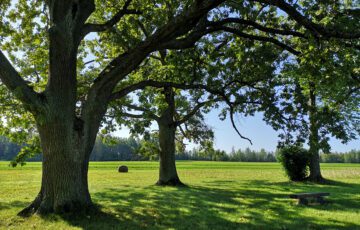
332 158
262 155
8 150
312 106
200 79
170 112
111 148
149 148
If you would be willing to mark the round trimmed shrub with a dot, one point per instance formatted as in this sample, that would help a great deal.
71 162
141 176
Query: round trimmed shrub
295 161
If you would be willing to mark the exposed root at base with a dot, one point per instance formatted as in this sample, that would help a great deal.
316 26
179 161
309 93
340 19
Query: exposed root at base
172 182
318 179
28 211
32 208
40 207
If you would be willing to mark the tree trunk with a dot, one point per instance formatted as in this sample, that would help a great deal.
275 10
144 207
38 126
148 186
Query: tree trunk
315 172
167 174
64 186
67 137
167 130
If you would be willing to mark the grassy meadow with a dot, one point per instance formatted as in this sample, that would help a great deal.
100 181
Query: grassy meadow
220 195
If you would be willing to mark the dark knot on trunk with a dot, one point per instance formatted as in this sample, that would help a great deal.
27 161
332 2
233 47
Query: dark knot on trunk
78 124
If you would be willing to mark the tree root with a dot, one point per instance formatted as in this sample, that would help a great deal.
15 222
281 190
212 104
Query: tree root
32 208
317 179
42 207
171 182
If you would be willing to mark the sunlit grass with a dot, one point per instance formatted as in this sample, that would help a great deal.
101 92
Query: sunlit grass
220 195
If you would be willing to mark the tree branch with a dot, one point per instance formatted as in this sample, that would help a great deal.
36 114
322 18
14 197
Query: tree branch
234 125
158 84
190 40
179 26
257 26
17 85
89 27
260 38
136 116
316 29
187 42
142 109
101 91
193 112
183 132
151 83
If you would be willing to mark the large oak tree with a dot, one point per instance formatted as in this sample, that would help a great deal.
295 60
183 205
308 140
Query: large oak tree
47 43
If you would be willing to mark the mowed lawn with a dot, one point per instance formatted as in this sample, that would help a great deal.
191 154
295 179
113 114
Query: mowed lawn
220 195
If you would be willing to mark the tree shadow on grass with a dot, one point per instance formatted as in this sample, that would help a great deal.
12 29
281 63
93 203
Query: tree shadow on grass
344 197
340 184
198 207
8 212
13 204
252 204
94 218
161 208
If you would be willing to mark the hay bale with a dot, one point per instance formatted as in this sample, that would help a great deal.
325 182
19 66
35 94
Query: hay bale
123 169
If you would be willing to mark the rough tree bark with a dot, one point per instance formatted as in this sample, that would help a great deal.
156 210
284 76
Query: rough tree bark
66 148
315 172
167 172
167 130
64 185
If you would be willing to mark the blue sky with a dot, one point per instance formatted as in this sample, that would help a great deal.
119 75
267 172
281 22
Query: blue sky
261 134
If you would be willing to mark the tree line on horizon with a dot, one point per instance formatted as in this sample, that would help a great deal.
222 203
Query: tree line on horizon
134 149
129 149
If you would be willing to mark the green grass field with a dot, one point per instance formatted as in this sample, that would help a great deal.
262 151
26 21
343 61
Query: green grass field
219 196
